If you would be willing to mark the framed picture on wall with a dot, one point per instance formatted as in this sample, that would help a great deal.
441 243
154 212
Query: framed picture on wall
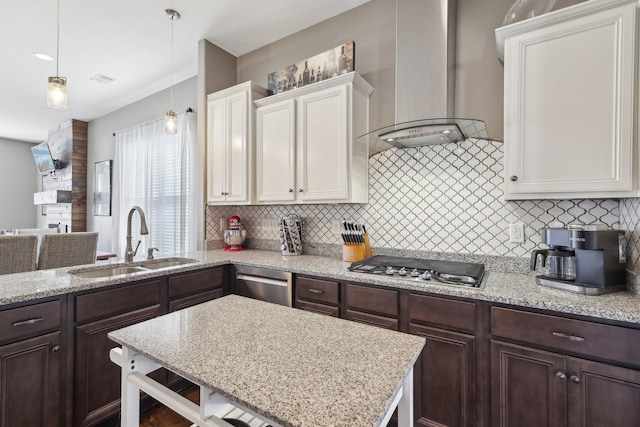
102 188
326 65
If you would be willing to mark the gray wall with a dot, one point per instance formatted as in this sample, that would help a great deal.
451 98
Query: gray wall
101 144
18 181
478 73
372 28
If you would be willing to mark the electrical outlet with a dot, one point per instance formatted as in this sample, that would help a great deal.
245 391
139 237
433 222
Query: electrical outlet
336 227
222 224
516 232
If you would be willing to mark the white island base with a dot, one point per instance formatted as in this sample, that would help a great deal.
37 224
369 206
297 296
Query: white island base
281 366
213 407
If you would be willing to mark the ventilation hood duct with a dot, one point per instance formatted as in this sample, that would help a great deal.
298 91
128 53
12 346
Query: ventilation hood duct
424 80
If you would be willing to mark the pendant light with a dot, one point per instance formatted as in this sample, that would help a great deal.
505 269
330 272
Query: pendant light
57 88
171 118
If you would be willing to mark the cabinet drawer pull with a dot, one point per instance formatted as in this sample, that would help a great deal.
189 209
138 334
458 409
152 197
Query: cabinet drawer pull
28 321
567 337
561 376
575 379
316 291
56 349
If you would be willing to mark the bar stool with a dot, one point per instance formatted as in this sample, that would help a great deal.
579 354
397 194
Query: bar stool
18 253
67 249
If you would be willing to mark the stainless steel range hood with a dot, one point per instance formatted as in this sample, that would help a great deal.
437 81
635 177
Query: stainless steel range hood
424 81
418 133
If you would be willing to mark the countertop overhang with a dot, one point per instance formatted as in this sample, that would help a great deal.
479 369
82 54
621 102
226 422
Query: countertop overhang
504 288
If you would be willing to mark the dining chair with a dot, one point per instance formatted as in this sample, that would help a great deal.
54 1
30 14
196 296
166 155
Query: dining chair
18 253
66 249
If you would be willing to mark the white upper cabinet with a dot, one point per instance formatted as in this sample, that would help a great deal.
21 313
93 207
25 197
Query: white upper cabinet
305 143
230 144
570 84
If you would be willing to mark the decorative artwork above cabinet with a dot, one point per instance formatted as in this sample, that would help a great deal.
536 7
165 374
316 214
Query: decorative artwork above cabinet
570 94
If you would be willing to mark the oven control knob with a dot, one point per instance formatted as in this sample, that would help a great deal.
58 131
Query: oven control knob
415 273
390 271
426 276
402 272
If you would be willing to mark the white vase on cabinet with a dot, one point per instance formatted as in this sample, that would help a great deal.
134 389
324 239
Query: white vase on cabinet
305 143
569 97
230 144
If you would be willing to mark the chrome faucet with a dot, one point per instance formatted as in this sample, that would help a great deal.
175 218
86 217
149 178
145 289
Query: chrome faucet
129 252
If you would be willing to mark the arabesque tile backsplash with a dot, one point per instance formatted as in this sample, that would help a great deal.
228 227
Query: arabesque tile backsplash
443 198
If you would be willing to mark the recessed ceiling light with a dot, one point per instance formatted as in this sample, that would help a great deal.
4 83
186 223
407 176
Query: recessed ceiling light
42 56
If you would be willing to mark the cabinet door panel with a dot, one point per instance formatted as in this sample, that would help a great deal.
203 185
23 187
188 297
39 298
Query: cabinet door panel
323 143
97 378
525 388
603 395
30 392
570 86
445 379
216 150
237 177
275 152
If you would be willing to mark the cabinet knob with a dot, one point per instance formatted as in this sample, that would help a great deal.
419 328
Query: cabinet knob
561 376
222 193
575 379
56 349
291 190
513 178
300 190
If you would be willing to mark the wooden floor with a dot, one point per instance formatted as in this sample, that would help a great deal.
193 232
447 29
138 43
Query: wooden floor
161 416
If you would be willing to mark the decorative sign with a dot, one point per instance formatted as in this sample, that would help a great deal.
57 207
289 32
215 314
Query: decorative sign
332 63
102 189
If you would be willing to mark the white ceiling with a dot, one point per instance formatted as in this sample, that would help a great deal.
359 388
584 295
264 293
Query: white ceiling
130 42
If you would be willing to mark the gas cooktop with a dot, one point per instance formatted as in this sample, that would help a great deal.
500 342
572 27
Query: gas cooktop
448 272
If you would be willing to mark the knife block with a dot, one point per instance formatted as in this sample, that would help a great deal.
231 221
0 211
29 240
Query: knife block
352 252
367 246
355 252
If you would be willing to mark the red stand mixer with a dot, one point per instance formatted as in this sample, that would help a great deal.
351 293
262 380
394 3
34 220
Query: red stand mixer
235 235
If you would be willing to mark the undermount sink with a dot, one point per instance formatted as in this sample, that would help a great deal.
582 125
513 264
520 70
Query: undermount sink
138 267
164 263
107 272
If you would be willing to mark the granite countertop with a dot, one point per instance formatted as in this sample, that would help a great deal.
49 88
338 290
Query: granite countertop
501 287
302 369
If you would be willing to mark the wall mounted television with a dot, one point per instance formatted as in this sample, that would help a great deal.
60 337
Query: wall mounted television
42 156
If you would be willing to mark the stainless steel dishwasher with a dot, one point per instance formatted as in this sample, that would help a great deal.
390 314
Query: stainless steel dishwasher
264 284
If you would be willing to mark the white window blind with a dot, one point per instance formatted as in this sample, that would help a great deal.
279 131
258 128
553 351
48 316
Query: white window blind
154 170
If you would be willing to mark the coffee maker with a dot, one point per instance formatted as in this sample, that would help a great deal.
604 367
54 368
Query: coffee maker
585 259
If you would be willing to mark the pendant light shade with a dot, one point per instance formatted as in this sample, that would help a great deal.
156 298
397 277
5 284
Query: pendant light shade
57 93
171 118
57 87
171 122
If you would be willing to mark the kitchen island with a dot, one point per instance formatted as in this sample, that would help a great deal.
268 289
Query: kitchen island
291 367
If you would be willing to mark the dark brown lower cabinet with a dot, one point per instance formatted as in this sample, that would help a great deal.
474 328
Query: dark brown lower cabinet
532 387
30 383
97 379
444 378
